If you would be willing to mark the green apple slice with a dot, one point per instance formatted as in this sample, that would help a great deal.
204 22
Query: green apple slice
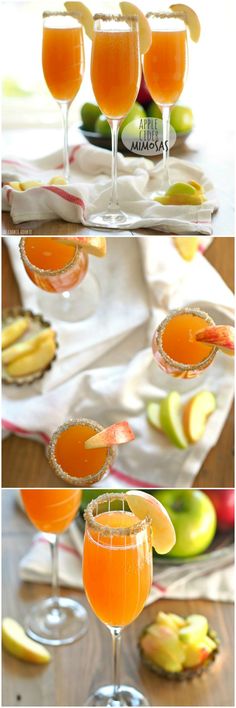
195 630
153 414
170 420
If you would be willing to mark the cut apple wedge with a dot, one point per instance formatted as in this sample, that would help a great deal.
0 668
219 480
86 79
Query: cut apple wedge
16 642
163 532
23 348
94 245
85 16
14 331
153 414
190 18
220 336
145 33
116 434
170 420
187 246
195 414
195 630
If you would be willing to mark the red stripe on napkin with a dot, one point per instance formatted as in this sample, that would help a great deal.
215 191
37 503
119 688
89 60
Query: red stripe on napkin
61 545
71 157
162 588
65 195
22 431
126 478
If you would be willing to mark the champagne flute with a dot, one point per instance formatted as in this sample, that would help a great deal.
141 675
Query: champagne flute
165 67
115 75
58 619
63 64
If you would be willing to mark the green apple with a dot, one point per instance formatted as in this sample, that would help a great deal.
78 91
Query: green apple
90 112
170 419
137 111
153 414
153 110
181 119
193 517
102 126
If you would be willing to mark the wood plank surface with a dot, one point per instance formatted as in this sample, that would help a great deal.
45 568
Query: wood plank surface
24 461
78 669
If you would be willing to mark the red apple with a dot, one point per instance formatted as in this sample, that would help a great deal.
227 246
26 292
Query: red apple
223 500
143 96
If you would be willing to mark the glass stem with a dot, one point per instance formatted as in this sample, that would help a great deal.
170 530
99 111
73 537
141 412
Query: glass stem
114 203
64 106
55 585
166 141
116 642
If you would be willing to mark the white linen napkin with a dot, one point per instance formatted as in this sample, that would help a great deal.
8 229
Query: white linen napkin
90 185
106 371
205 580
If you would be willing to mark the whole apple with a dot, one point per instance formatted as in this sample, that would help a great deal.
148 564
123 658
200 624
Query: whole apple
223 500
194 518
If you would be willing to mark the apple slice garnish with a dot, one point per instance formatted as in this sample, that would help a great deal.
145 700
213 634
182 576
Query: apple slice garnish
145 32
187 246
16 642
94 245
116 434
163 532
220 336
85 16
195 414
190 18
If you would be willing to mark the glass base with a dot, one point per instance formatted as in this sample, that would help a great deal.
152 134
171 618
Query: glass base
127 696
111 220
56 624
72 305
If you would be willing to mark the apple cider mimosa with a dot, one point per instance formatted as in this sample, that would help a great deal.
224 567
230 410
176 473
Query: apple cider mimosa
175 347
58 619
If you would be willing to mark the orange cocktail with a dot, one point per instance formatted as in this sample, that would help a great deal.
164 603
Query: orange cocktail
69 458
115 71
63 61
117 575
53 265
165 66
125 569
55 620
175 348
63 64
115 76
51 510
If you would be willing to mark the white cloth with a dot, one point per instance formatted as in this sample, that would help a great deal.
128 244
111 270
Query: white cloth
90 185
205 579
105 368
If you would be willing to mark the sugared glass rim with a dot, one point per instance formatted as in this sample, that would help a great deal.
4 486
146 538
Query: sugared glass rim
110 530
65 476
115 18
159 334
166 15
44 271
47 13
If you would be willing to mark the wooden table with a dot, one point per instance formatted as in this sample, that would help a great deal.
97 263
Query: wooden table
205 150
78 669
24 461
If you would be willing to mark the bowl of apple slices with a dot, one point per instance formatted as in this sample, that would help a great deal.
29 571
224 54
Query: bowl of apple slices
178 648
29 346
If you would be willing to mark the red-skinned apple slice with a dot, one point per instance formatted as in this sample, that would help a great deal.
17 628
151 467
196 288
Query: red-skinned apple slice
220 336
163 532
116 434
